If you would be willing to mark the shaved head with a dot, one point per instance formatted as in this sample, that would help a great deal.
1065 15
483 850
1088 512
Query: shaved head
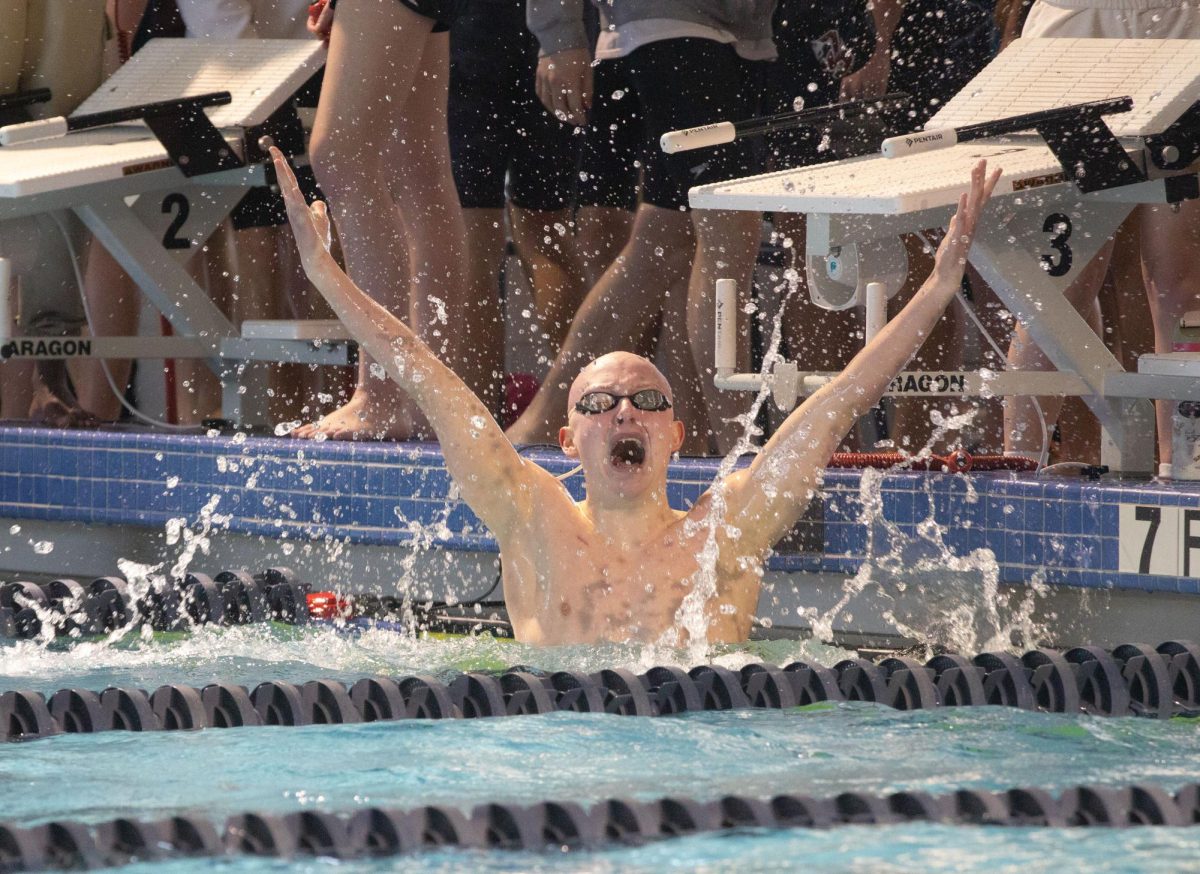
606 370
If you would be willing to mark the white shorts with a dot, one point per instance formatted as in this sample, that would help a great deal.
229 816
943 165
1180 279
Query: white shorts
1114 19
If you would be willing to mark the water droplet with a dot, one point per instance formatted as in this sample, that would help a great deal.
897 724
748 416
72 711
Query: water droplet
43 547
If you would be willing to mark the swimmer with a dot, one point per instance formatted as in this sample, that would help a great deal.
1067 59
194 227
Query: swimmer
618 565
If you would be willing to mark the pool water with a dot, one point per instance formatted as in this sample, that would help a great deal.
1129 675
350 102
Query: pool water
251 654
819 750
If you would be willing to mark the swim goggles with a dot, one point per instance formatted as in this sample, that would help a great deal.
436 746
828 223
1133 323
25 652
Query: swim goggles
648 400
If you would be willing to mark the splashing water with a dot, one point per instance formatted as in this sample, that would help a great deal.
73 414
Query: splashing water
958 601
961 606
250 654
692 615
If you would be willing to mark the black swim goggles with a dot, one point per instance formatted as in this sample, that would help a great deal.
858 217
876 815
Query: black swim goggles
648 400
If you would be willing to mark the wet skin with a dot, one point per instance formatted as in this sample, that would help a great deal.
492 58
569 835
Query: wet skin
618 565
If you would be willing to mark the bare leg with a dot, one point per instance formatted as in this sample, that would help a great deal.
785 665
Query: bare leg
16 389
546 255
1022 433
726 247
1078 427
113 301
1171 266
614 313
304 390
675 351
464 328
601 233
376 57
486 248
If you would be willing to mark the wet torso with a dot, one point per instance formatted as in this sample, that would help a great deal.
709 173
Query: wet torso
565 582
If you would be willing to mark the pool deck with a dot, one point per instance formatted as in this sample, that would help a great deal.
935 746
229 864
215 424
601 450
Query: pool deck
1135 536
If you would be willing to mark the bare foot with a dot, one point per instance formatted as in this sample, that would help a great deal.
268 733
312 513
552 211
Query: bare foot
368 416
53 404
52 412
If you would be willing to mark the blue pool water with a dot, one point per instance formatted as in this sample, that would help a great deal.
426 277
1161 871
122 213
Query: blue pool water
822 750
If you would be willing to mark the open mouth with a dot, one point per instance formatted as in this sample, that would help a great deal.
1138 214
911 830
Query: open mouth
628 452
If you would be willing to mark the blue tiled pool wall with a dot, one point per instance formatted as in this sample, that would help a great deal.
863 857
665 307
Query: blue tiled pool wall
374 493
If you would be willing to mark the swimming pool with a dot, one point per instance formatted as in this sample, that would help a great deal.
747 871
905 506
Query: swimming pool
338 513
382 518
820 750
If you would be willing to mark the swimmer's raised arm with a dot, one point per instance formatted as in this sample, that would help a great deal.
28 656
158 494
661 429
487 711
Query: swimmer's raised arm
766 499
494 480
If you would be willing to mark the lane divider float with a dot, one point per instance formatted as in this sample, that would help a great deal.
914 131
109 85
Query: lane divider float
1130 680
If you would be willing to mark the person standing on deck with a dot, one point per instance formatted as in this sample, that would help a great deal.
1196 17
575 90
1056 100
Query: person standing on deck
660 65
623 565
1169 234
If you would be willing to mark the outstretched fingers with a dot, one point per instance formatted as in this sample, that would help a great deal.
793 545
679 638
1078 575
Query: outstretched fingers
309 228
323 224
952 254
971 204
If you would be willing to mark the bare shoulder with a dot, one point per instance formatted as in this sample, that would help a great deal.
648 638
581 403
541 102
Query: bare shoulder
539 501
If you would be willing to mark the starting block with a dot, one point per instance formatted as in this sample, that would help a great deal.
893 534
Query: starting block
1063 192
153 191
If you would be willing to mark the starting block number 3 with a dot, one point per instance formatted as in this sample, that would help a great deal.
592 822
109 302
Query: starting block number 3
1159 540
1058 264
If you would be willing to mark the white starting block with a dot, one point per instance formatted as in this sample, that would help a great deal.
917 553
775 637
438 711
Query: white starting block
153 197
1060 198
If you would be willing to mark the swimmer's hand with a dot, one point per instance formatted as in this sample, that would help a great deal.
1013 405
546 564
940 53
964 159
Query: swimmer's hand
311 225
764 500
951 258
564 85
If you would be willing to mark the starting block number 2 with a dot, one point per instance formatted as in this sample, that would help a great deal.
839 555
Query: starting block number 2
1159 540
176 205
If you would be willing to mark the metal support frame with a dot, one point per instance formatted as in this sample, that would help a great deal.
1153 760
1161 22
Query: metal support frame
1006 255
137 219
1030 249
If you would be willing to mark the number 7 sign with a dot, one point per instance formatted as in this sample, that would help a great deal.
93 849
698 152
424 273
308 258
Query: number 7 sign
1159 540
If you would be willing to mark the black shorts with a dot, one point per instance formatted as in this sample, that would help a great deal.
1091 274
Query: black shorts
262 206
664 86
819 43
443 12
938 47
498 128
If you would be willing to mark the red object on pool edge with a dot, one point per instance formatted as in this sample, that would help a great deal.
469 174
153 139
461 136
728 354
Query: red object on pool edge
328 605
519 389
958 461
